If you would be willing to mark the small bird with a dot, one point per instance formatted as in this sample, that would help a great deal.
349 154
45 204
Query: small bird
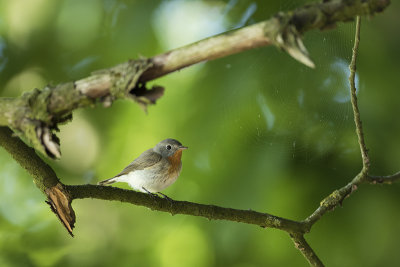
154 170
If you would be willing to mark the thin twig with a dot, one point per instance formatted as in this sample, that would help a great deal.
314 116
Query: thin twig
329 203
301 244
383 179
337 197
353 90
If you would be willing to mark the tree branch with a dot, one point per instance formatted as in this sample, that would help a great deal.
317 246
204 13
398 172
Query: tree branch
35 115
43 176
337 197
60 196
329 203
301 244
353 90
210 212
383 179
282 30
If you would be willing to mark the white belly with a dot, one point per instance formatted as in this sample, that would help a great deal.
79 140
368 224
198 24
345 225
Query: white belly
141 179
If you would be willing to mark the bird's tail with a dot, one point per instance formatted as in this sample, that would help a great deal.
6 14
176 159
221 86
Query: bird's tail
108 181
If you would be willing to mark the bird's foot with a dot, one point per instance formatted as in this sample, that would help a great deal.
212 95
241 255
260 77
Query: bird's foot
152 195
165 196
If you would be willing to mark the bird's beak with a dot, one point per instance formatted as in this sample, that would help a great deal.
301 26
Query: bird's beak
183 147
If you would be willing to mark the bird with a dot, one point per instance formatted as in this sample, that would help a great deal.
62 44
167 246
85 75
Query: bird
154 170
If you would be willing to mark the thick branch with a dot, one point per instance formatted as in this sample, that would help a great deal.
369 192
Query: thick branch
35 115
60 196
282 30
301 244
43 176
210 212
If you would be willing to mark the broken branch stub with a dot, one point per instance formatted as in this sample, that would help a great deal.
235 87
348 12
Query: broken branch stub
60 203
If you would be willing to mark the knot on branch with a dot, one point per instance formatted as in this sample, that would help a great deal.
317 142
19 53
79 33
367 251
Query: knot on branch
144 96
332 200
35 116
289 26
325 15
30 118
288 38
124 76
124 83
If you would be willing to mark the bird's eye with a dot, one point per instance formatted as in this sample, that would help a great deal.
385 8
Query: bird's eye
169 147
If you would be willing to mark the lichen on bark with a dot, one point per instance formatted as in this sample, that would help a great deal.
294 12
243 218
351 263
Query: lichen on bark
36 115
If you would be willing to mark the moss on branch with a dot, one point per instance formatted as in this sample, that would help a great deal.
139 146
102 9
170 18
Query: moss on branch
35 115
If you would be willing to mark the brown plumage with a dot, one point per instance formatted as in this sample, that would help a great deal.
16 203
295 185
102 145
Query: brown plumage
176 163
154 170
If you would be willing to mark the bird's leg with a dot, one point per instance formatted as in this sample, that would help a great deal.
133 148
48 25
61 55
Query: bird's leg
150 193
165 196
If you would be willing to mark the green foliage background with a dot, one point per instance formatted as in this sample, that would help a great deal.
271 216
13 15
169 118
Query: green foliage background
264 132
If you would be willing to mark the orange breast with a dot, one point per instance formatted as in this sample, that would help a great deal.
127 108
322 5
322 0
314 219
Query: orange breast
175 161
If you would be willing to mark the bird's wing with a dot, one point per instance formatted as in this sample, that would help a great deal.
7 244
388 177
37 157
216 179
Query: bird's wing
144 161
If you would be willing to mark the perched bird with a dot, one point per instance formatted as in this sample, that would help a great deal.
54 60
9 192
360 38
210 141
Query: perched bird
154 170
